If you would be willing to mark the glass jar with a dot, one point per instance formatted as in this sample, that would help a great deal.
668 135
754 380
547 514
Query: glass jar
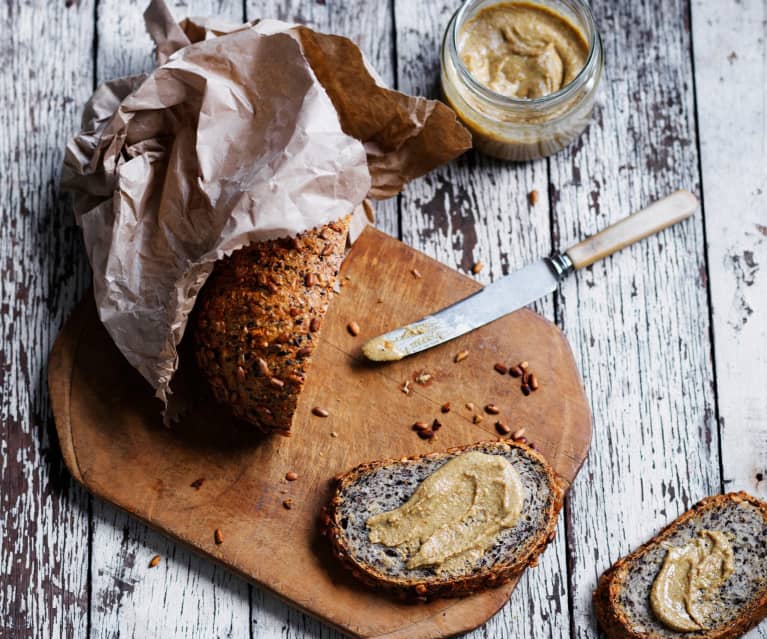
522 129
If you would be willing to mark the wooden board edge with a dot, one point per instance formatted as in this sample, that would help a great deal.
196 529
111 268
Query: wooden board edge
61 362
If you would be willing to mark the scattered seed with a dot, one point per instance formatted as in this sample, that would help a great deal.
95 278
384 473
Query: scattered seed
423 377
197 483
276 382
436 425
333 433
154 561
379 300
426 434
291 476
532 381
445 408
310 280
218 536
516 372
476 419
492 409
416 273
263 367
460 356
478 266
314 325
405 387
420 426
502 428
287 504
353 328
320 412
500 368
523 365
533 197
525 390
469 406
518 434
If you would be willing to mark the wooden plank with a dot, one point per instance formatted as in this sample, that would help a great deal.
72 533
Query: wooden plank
185 595
730 48
477 210
369 24
730 60
638 321
45 76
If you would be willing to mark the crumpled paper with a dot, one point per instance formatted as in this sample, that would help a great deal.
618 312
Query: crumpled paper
242 133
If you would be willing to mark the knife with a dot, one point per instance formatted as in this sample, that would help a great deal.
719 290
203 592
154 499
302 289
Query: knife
530 283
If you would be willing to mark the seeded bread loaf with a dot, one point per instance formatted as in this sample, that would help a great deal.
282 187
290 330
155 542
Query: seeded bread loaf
622 597
257 319
382 486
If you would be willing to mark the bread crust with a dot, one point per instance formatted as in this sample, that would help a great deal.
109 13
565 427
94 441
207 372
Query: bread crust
616 625
256 322
425 590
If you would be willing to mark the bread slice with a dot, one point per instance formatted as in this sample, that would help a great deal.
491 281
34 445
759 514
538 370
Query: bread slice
256 322
381 486
622 597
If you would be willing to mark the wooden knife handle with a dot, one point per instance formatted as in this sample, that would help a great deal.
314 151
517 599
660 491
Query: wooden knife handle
659 215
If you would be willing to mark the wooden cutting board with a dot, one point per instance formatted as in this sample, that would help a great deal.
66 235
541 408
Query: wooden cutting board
113 440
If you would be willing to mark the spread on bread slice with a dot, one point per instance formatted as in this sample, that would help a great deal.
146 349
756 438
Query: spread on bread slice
704 575
445 524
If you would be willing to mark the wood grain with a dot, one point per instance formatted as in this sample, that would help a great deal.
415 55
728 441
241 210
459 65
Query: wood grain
184 595
44 515
122 453
730 47
638 320
731 80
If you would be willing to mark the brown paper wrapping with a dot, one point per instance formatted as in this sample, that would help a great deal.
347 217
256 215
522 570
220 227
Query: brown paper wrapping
242 133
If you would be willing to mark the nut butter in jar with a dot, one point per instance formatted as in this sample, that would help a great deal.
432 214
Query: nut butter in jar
523 76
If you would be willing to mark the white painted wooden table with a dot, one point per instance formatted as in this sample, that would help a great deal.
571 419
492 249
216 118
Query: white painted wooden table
670 335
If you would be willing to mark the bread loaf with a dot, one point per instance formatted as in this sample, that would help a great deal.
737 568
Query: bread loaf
622 598
257 321
382 486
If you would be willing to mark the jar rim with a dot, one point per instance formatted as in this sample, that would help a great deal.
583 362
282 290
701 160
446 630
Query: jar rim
498 99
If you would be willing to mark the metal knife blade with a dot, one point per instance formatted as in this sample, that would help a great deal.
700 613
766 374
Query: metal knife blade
527 285
495 300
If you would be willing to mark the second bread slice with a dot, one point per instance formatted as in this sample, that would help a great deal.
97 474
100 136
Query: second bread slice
622 598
